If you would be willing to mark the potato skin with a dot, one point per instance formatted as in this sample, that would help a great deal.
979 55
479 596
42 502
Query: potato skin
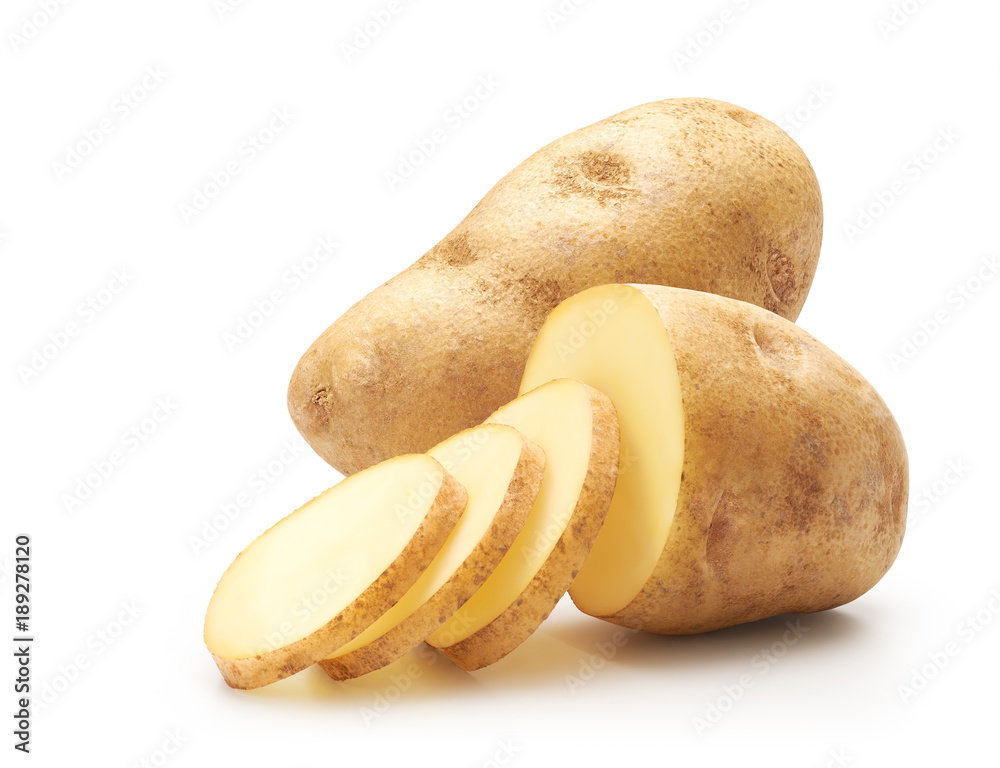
693 193
795 476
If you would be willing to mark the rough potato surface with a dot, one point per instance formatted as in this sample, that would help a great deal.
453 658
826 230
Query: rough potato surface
795 476
692 193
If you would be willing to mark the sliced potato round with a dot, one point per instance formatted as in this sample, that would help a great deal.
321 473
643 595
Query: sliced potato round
612 338
577 428
501 473
322 574
761 474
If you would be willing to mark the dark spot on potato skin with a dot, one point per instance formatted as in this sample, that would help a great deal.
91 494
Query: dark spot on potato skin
537 295
605 168
780 273
744 117
599 176
454 251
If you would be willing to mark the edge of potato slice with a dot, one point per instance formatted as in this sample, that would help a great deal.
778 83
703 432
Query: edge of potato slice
549 583
277 660
507 520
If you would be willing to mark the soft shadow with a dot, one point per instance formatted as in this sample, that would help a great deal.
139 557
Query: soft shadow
423 673
563 648
723 646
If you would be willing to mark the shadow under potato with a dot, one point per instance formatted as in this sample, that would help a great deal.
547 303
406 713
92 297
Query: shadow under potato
567 648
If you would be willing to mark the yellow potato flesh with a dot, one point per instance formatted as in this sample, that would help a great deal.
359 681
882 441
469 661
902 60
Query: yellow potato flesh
612 338
311 565
482 459
558 419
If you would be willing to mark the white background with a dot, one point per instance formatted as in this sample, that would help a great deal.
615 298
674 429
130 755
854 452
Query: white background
883 89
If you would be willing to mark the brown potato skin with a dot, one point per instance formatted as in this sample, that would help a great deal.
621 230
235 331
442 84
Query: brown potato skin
693 193
795 476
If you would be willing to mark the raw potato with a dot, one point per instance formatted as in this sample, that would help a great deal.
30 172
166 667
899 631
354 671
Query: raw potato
501 473
321 575
577 428
761 474
693 193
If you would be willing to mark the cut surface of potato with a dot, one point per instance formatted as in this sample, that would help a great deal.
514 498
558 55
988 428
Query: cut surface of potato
577 428
501 473
793 474
612 338
322 574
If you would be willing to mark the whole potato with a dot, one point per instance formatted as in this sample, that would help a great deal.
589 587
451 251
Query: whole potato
693 193
760 473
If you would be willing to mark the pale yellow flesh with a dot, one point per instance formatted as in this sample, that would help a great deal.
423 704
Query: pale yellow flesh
558 419
483 460
612 338
311 565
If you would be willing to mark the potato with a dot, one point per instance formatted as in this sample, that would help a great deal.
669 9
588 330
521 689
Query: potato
760 473
318 577
502 474
692 193
577 428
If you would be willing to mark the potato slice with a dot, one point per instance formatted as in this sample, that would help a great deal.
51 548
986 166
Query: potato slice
577 428
502 473
761 474
318 577
613 339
